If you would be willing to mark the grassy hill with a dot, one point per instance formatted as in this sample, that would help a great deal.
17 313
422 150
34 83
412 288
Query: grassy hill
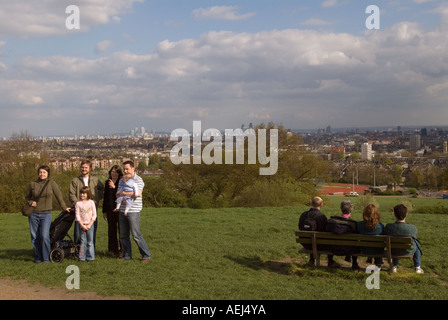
232 253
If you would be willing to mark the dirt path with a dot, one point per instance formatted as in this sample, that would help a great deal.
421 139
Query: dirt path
23 290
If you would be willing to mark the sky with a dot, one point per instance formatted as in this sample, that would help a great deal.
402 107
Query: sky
164 64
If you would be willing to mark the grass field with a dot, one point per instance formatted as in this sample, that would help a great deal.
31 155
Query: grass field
231 254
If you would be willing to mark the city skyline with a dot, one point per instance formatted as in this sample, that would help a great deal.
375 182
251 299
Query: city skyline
164 64
140 132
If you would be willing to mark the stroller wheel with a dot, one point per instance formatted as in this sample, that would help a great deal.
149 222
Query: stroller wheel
57 255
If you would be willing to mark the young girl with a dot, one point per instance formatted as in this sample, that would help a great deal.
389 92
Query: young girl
86 215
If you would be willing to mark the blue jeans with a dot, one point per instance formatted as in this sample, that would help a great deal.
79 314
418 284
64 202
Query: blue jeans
77 233
40 222
87 249
415 258
130 224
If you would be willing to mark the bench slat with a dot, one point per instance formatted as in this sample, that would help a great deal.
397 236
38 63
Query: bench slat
353 236
370 244
381 255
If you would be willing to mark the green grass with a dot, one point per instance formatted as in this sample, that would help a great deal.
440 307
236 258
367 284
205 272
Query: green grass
231 253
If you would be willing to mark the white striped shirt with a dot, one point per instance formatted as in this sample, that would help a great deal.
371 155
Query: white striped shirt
137 206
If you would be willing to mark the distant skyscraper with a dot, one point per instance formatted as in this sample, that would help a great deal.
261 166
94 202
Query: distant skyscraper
366 151
414 142
445 147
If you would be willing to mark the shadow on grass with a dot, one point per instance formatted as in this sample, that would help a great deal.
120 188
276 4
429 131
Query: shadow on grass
24 255
256 263
293 267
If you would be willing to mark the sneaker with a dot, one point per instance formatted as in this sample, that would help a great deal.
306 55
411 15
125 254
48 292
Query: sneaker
394 269
419 270
355 267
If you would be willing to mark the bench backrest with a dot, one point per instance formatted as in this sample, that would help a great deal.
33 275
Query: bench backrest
356 240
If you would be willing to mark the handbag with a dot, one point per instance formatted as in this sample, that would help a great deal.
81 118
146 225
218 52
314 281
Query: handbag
27 209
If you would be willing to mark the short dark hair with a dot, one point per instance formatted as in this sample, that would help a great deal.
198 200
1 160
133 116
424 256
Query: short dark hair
87 191
400 211
44 167
86 162
129 162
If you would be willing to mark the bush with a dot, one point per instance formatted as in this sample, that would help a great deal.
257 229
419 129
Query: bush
436 209
199 201
264 193
157 193
365 200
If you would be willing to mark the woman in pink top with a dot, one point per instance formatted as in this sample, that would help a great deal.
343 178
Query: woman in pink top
86 215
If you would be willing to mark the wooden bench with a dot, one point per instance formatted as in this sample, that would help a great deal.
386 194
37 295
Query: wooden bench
316 238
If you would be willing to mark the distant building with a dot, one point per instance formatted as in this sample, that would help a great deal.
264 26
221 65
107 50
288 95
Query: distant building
414 141
445 147
366 151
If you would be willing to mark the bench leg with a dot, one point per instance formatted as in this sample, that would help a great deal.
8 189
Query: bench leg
317 261
389 254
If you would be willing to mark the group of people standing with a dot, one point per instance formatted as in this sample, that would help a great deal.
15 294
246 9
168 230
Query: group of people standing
122 205
315 220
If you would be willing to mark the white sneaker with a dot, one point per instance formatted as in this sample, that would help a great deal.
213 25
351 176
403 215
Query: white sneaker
394 269
419 270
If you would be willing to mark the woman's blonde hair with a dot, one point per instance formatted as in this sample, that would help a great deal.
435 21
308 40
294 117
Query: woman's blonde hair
371 216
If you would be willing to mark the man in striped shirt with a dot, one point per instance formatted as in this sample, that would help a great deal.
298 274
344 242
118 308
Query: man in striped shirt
130 223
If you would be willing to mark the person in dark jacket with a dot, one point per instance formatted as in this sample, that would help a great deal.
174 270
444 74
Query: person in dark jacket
110 195
343 224
315 220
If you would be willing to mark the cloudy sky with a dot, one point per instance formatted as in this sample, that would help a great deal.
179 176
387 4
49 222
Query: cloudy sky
162 64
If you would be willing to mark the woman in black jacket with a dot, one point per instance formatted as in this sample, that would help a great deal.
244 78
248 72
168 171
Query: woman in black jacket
110 195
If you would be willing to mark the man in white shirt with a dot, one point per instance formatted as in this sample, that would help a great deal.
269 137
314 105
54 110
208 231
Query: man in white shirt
130 223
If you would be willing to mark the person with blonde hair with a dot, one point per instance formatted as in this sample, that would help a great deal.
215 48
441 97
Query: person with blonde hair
371 225
315 220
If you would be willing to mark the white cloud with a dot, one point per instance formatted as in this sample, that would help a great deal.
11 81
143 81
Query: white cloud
47 18
103 46
333 3
422 1
291 76
221 13
30 100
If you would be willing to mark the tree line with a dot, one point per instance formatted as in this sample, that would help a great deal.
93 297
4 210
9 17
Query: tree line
207 186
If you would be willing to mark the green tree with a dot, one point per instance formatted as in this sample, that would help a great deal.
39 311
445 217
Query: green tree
20 160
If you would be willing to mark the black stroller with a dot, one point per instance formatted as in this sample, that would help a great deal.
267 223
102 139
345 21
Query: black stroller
59 228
